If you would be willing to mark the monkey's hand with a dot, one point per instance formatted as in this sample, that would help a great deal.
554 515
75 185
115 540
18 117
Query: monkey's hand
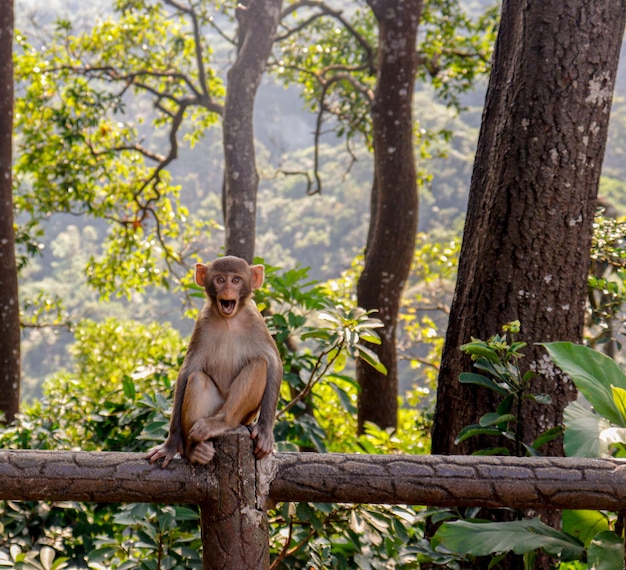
264 440
167 451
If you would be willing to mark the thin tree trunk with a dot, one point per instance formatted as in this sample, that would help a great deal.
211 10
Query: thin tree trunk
9 306
258 20
393 224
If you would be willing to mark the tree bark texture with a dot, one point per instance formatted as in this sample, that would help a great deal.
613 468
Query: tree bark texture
9 305
234 528
106 477
393 222
525 252
258 20
235 533
464 481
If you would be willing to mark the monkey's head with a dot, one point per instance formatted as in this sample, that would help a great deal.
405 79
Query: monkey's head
229 282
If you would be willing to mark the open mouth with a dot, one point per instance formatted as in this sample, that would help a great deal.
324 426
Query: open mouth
227 306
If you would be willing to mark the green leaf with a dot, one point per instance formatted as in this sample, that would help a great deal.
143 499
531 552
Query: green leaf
340 362
480 380
594 374
541 398
547 436
493 419
606 552
344 398
583 429
371 338
473 430
584 525
480 349
129 387
483 539
371 358
619 399
186 514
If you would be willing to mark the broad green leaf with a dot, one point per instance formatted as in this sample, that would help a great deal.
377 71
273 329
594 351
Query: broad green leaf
584 525
186 514
482 539
619 398
583 429
344 398
480 380
371 338
606 552
594 374
340 362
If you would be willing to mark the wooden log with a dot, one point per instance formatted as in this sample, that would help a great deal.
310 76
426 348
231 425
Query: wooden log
235 531
234 528
541 482
103 477
438 480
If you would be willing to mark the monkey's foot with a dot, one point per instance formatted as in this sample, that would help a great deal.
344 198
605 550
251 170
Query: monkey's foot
207 428
202 453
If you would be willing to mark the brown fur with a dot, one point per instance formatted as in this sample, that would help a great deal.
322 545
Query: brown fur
232 371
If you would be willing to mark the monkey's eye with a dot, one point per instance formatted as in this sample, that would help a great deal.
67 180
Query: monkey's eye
236 279
220 279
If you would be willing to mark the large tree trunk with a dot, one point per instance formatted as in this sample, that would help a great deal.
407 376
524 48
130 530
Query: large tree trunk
525 252
258 20
393 224
9 306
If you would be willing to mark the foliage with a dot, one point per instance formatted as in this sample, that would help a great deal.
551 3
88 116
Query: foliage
425 305
114 398
597 427
332 54
524 536
606 284
79 151
456 48
500 360
107 402
589 432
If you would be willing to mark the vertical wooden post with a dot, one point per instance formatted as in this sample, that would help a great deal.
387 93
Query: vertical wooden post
235 532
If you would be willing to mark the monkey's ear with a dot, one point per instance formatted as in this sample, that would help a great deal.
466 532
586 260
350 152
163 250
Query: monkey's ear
201 270
257 273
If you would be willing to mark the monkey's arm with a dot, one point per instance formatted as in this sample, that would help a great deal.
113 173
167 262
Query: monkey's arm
263 431
174 442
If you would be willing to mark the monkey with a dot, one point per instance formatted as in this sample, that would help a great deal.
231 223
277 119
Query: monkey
232 371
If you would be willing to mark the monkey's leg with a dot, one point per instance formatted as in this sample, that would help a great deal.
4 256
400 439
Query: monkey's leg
242 402
202 399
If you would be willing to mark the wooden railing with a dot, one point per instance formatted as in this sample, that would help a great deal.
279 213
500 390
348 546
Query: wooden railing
234 490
